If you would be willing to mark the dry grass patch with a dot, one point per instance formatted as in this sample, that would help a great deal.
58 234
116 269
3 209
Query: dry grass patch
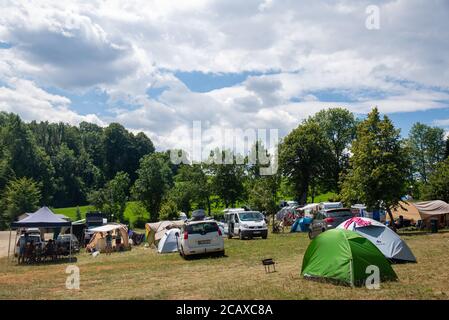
144 274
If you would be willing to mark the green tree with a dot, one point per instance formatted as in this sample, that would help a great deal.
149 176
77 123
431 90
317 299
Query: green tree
169 210
379 166
70 186
24 156
304 157
113 197
446 154
154 179
192 187
118 149
438 186
339 127
227 177
427 148
21 195
78 214
262 195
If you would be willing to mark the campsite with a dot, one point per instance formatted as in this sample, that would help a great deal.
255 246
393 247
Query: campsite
224 149
144 274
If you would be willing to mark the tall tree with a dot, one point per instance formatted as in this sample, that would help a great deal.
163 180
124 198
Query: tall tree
118 149
379 166
438 186
154 179
304 157
113 197
25 157
446 154
21 195
427 148
227 178
339 127
192 186
92 138
70 186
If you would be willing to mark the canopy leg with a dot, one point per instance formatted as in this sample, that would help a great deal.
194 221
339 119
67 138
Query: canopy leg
71 230
9 243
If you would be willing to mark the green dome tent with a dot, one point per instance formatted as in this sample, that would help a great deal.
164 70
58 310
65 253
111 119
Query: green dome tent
343 256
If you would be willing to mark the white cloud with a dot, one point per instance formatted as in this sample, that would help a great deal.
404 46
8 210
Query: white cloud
126 47
31 102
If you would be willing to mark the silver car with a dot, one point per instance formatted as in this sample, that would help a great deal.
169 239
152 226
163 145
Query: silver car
328 219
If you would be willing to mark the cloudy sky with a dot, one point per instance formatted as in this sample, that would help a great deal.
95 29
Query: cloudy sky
156 66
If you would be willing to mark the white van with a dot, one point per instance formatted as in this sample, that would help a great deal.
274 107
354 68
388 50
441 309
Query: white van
245 224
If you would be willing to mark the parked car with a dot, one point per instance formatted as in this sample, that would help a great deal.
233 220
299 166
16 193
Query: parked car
34 237
328 219
63 241
200 237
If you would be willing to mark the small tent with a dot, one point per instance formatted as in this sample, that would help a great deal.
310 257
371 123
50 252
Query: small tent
343 256
156 230
301 224
169 242
385 239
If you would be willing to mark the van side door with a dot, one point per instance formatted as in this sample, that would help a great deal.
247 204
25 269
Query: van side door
236 224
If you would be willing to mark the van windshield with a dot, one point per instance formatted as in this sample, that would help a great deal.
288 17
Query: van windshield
250 216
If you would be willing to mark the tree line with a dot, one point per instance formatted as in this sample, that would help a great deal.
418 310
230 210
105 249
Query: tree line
360 160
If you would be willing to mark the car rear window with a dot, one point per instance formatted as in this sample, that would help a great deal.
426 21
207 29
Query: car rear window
202 228
336 214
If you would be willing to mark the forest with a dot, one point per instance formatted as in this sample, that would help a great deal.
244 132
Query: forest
357 160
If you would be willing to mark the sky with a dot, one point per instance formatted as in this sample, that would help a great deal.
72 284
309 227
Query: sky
158 66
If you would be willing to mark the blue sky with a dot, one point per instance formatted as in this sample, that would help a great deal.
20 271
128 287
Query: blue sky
158 66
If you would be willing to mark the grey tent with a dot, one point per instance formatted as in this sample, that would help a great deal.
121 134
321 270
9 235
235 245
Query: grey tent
42 218
385 239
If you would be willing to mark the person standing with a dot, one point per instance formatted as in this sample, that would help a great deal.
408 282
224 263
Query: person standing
118 240
23 239
108 243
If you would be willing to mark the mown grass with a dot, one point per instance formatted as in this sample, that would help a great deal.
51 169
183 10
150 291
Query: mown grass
144 274
131 212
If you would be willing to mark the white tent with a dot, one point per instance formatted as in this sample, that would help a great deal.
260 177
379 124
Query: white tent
385 239
169 242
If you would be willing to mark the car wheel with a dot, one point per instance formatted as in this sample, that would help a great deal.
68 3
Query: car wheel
265 236
241 235
310 235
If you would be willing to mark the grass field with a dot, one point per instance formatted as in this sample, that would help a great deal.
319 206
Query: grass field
144 274
130 212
